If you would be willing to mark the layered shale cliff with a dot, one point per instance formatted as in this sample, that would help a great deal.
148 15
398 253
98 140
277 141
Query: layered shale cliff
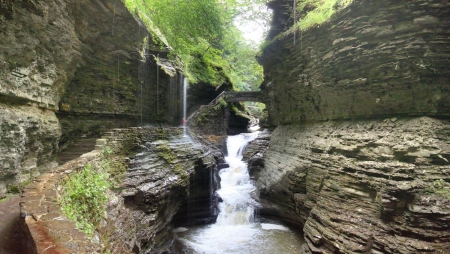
360 156
165 175
71 69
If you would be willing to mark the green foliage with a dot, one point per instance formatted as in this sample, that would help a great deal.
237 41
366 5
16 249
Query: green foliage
84 193
439 187
202 117
246 74
202 34
83 198
114 166
222 104
107 151
256 108
314 12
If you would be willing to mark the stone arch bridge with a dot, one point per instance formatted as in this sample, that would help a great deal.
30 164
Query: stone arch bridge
238 97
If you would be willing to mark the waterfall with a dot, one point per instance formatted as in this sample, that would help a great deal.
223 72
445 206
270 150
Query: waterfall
237 206
236 230
184 105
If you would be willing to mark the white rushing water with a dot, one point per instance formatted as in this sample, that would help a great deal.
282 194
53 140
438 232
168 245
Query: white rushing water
235 230
184 105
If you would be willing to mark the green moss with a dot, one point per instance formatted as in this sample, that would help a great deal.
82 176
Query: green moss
115 166
18 187
202 117
439 187
313 13
182 173
166 153
162 134
222 104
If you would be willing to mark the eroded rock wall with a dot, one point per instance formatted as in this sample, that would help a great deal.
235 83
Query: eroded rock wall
28 143
365 186
38 53
373 59
167 171
356 159
90 62
163 170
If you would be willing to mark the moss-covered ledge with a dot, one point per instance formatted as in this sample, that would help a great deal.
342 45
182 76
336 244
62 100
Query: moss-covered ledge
50 229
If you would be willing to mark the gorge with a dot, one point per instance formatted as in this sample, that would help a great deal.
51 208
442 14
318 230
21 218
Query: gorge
356 155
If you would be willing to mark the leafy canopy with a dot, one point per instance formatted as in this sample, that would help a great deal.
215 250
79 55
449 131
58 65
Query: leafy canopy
202 34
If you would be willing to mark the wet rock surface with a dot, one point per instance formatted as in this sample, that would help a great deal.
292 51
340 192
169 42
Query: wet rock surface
81 60
378 186
167 171
345 161
253 153
14 235
50 230
168 174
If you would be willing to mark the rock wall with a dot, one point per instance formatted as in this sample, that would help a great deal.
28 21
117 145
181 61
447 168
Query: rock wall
37 58
28 143
90 62
356 158
167 171
378 186
373 59
164 170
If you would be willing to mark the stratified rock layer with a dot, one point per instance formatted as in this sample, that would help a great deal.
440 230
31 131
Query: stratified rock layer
28 143
160 179
88 61
168 171
373 59
360 184
378 186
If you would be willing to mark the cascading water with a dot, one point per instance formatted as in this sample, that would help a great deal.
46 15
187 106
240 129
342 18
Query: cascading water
236 231
184 105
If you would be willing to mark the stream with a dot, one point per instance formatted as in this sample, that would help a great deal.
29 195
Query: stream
236 229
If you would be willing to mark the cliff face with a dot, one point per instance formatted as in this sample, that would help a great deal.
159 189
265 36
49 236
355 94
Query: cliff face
374 59
356 158
360 186
28 143
37 57
167 172
72 69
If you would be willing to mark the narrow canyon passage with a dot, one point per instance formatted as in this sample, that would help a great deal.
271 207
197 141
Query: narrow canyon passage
237 229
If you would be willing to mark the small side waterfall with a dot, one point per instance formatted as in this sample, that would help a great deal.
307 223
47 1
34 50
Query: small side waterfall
183 122
236 230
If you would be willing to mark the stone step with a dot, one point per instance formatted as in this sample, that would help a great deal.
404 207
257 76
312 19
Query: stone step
76 150
101 142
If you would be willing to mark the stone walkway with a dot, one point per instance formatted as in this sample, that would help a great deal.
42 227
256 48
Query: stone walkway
14 239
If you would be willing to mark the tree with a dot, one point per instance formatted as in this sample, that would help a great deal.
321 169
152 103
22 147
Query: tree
202 34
